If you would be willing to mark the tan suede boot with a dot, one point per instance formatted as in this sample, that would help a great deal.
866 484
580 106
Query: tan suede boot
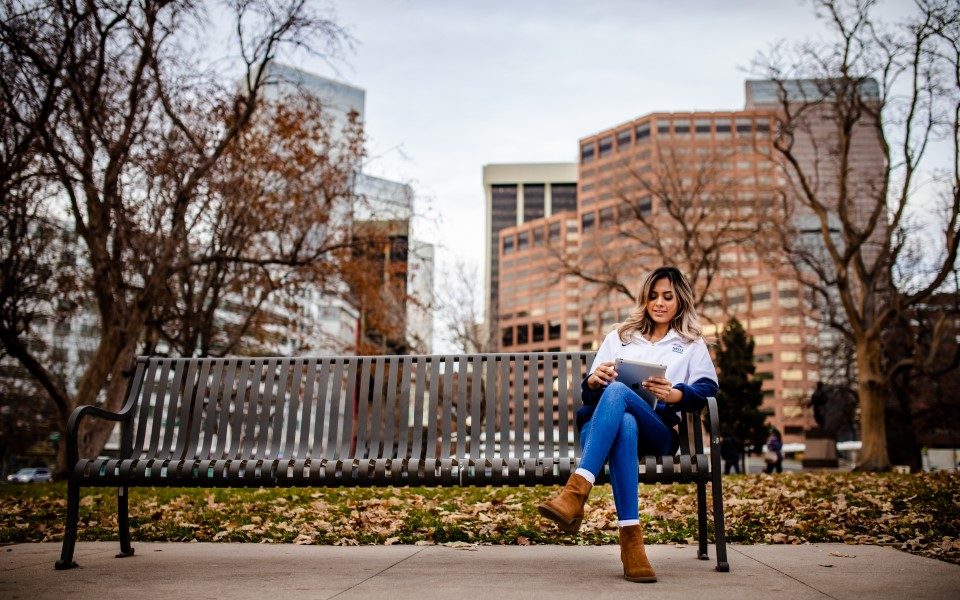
567 507
636 567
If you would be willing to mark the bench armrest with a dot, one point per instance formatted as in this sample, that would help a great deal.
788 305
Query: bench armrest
73 426
714 415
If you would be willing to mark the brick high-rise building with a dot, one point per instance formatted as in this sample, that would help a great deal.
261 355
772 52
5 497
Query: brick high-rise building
627 172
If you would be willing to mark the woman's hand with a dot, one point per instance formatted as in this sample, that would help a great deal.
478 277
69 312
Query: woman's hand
604 375
663 390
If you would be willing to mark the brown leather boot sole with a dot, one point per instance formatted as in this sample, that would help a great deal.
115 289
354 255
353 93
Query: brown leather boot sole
547 512
646 579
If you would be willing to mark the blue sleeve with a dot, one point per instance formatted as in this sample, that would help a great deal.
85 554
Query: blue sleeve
604 354
589 396
695 394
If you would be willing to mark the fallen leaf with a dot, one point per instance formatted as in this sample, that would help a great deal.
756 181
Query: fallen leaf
460 545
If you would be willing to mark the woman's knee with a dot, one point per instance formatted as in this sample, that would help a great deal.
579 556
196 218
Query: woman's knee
616 388
615 394
628 427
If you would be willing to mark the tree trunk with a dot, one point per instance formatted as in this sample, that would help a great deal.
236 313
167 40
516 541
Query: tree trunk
873 397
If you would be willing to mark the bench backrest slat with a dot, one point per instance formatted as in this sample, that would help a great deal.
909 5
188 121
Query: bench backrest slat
377 401
220 437
549 409
143 409
533 402
241 394
209 408
564 394
307 414
490 406
157 409
476 402
185 402
291 416
516 407
175 406
461 399
362 409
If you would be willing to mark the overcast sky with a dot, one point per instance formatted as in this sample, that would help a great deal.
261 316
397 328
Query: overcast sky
453 85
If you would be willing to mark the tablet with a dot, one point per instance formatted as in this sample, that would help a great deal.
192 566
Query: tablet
633 373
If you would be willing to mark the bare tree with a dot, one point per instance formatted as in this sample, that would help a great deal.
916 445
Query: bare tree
858 116
277 223
459 307
682 206
126 131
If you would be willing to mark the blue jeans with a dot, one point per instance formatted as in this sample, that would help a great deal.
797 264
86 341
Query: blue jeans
622 425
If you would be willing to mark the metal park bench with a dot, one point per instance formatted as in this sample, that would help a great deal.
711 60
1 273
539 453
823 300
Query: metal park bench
469 420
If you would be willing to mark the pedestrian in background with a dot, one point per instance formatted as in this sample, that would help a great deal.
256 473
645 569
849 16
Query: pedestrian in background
774 453
730 451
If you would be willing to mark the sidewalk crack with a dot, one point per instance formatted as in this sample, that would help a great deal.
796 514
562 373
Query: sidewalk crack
787 575
377 574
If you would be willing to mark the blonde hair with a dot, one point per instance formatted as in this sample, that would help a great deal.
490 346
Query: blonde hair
686 322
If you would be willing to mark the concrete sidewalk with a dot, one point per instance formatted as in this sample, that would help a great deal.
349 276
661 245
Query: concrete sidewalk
241 571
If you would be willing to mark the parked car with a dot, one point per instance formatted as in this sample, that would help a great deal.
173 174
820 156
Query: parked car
31 475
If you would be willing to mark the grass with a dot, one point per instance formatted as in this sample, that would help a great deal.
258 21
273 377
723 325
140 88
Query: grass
917 513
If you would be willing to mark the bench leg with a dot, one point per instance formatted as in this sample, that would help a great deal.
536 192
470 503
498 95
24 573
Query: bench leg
123 519
702 520
720 536
70 532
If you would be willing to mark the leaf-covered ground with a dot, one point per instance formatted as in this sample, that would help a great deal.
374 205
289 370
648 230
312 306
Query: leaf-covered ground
917 513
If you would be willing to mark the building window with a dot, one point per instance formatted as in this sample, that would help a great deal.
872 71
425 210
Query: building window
538 236
538 332
563 197
586 153
645 205
663 128
763 126
623 139
682 126
735 296
643 131
790 338
702 126
606 216
553 331
554 230
506 337
606 146
588 220
523 334
533 202
508 244
589 325
744 125
523 240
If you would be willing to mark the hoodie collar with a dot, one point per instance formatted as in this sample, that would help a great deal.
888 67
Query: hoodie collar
671 334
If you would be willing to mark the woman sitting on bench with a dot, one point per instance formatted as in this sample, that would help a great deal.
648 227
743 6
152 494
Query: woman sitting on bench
617 426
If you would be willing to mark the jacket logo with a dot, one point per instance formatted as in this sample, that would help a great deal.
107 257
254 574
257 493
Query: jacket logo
678 348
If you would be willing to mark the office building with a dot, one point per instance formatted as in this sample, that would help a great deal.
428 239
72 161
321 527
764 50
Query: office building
516 194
